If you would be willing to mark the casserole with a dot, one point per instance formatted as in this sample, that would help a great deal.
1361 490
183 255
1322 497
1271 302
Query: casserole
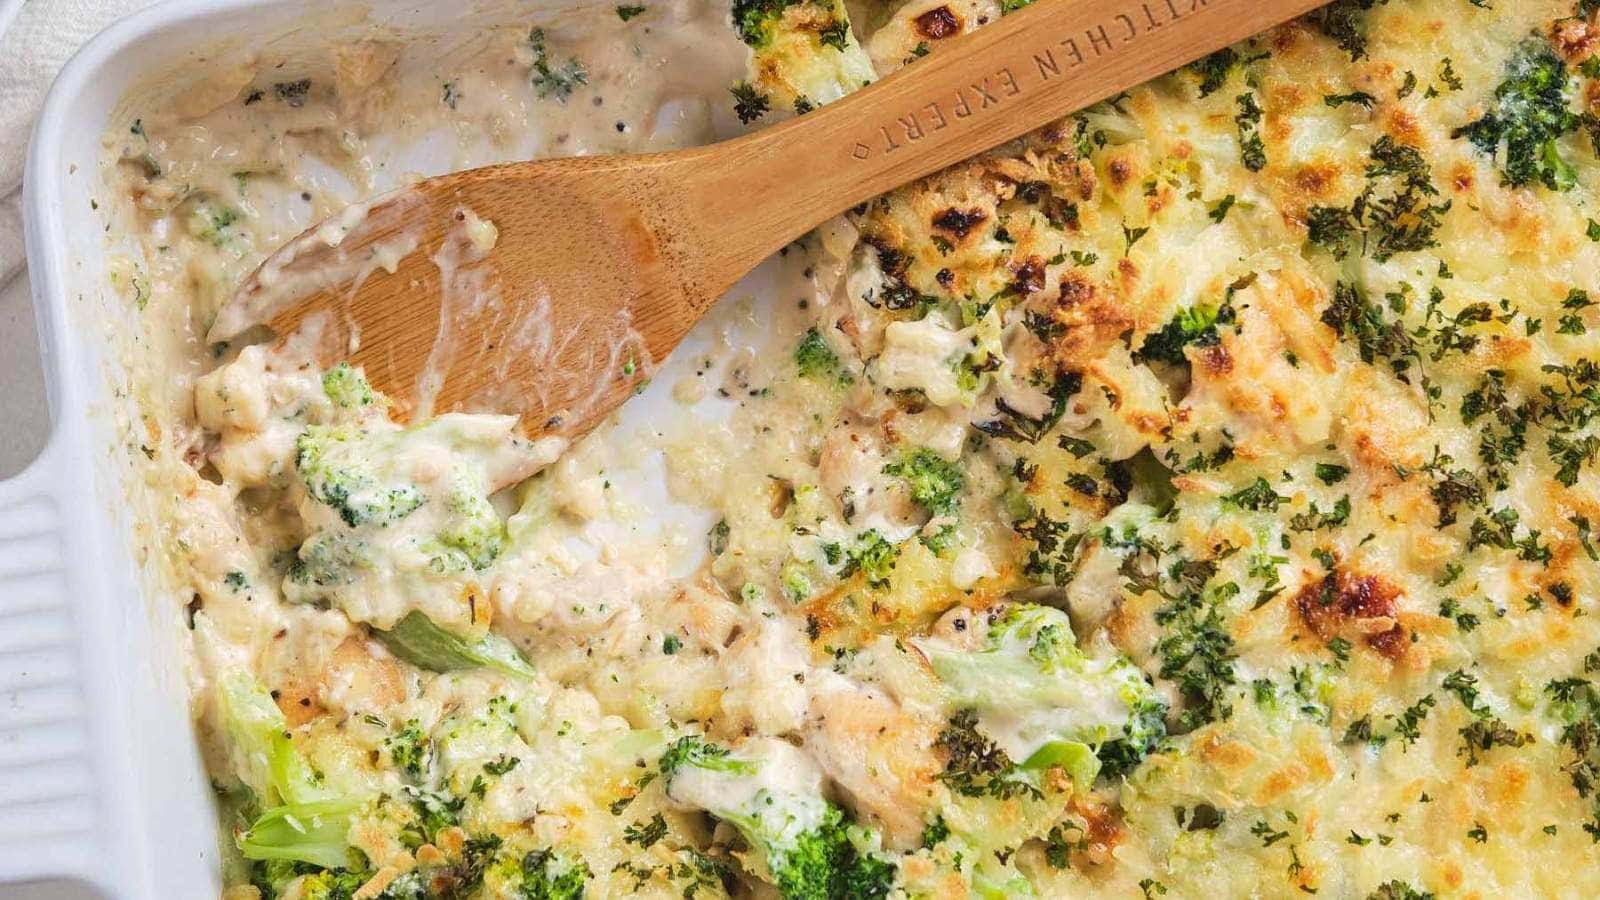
1104 545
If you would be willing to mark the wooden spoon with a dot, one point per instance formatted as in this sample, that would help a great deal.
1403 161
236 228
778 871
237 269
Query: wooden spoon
600 265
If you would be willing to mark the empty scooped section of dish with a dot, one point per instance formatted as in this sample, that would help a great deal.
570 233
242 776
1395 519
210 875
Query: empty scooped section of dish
124 702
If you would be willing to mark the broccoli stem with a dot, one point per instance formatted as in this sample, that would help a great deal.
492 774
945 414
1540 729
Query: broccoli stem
265 757
316 833
417 640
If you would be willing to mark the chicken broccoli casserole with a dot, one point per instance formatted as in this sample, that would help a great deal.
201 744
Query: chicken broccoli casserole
1198 497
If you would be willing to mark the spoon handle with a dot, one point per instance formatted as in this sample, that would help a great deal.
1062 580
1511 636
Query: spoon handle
975 92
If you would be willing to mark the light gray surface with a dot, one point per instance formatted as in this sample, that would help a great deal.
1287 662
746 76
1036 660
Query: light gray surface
24 425
24 415
47 890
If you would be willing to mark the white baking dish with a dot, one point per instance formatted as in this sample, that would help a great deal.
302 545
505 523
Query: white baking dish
99 778
100 781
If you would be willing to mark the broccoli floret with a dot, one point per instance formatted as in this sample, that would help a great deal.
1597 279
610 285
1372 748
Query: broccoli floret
329 559
816 360
696 752
358 493
772 793
1142 734
794 581
873 556
866 876
1196 325
300 849
410 750
315 832
346 386
212 223
433 812
548 875
934 481
312 883
802 864
272 876
475 536
417 640
336 467
939 542
1530 113
1063 708
337 884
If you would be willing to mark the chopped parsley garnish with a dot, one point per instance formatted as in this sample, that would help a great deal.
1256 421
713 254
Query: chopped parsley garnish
293 93
1256 496
1252 150
1196 649
1359 98
1331 473
646 834
1398 890
1317 519
976 766
1395 212
1220 211
1344 21
1408 725
554 81
749 104
1214 69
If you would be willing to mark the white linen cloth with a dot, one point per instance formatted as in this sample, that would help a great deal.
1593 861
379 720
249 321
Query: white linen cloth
37 37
